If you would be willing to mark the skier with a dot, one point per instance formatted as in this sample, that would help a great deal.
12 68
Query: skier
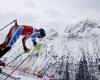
15 32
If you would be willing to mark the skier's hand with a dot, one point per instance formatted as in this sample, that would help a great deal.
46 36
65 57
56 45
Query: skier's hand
35 43
26 50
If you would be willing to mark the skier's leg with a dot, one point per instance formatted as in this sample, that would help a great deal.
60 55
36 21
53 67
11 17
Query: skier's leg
5 43
11 42
3 51
3 46
7 39
15 36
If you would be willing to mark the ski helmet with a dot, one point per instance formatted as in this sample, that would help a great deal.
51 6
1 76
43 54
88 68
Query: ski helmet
42 33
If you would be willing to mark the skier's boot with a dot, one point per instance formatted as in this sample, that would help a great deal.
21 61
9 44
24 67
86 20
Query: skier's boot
6 49
0 70
0 50
2 63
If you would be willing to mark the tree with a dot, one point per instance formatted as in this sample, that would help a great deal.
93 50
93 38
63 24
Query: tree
66 73
83 73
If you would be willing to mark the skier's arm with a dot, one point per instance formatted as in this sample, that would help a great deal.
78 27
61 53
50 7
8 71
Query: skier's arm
34 41
34 35
23 42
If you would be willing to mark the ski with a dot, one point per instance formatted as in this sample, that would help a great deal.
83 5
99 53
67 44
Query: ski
14 59
37 48
10 76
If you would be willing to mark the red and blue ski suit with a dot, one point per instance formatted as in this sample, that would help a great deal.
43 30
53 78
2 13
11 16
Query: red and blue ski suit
16 31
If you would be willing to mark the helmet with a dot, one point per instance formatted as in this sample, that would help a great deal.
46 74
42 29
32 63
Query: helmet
42 33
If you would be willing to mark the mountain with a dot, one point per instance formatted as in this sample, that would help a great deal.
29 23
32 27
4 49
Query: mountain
84 29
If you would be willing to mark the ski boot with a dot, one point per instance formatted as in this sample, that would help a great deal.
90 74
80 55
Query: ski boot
6 49
0 50
2 63
0 70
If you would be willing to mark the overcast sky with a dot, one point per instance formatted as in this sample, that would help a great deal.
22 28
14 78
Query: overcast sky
48 12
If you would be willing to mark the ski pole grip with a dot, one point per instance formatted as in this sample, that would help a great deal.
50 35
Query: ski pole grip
8 25
15 20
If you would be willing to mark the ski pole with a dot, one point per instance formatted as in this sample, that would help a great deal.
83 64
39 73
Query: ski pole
7 25
19 65
14 59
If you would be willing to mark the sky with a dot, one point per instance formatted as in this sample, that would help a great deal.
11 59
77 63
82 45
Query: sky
48 13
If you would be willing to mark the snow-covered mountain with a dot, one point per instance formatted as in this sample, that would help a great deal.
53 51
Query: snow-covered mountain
86 28
61 53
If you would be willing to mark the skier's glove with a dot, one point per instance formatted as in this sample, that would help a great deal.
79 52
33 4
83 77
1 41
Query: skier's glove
26 50
35 43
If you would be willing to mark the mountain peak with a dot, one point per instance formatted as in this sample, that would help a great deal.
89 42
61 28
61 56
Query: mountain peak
85 28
